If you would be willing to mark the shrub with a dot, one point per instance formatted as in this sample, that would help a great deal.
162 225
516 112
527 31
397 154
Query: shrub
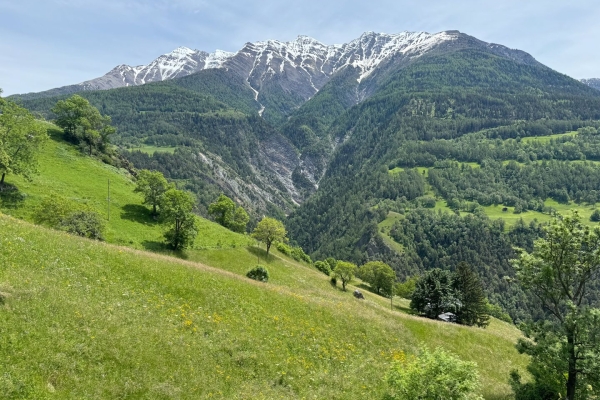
432 375
295 252
258 273
323 267
333 281
595 217
284 248
88 224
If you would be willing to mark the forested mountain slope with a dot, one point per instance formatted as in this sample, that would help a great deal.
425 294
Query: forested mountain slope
433 104
210 117
593 82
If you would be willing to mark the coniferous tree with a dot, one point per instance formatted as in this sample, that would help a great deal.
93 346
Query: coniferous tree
469 291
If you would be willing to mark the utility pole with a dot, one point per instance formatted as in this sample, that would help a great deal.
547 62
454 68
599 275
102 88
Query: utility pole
109 199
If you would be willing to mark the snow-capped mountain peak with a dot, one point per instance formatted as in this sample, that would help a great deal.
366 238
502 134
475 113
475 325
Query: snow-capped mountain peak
301 66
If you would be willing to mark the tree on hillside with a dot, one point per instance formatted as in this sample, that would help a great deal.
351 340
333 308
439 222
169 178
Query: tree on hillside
222 210
83 124
21 138
153 186
379 275
228 215
406 289
269 230
240 220
469 291
434 294
565 348
344 271
176 210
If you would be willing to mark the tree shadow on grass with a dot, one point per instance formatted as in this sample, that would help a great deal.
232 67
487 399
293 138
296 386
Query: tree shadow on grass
261 254
10 197
406 310
160 247
138 213
154 246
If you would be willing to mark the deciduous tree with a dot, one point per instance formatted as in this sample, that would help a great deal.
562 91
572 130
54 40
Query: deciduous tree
227 214
433 375
83 123
222 210
269 230
152 185
21 138
344 271
176 210
379 275
566 346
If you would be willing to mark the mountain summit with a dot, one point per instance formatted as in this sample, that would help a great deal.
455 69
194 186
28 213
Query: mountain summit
302 66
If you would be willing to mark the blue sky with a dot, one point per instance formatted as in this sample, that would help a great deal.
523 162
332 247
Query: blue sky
51 43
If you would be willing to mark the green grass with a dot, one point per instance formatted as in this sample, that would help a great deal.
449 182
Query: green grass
548 138
66 172
384 230
153 149
84 319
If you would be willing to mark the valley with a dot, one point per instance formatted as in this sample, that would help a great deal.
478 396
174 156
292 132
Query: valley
426 152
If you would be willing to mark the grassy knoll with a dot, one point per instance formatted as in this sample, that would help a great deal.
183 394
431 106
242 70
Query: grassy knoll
84 319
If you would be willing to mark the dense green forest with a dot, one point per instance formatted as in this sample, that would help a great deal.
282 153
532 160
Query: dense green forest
442 112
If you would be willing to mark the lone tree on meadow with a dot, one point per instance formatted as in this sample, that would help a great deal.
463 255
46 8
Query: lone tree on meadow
176 210
153 186
344 271
565 348
21 138
269 230
379 276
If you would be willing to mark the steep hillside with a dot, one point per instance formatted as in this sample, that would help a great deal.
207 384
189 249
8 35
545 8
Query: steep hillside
102 321
66 173
222 147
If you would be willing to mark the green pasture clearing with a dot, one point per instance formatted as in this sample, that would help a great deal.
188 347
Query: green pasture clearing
384 230
101 321
153 149
547 138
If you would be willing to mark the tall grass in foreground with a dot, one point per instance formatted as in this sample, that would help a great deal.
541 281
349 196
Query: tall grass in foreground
83 319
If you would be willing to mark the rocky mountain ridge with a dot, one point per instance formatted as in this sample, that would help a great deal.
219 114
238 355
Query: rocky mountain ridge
299 68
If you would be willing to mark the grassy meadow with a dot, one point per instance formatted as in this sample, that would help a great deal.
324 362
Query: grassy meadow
82 319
